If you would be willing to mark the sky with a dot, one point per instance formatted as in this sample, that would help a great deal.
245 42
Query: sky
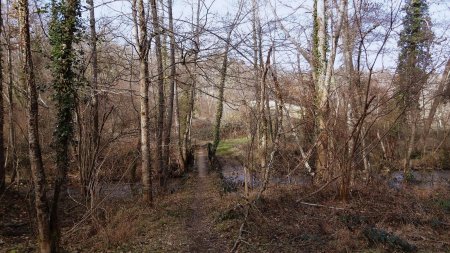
294 15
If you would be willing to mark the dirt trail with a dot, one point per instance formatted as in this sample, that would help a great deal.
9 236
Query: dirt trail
200 224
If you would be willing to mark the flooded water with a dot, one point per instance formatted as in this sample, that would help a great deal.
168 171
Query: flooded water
427 179
232 171
114 190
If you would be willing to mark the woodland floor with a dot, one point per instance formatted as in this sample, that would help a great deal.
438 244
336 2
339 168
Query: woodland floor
199 214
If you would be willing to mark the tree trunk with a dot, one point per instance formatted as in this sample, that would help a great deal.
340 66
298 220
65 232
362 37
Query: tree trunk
89 136
436 102
187 152
321 91
64 18
37 167
348 163
219 108
411 142
169 116
256 68
142 42
162 171
11 118
2 148
94 84
264 129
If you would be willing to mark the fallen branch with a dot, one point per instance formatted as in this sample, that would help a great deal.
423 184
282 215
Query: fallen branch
241 233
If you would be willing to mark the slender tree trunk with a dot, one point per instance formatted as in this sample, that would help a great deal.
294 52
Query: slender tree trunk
264 129
350 106
169 117
89 137
142 42
256 69
37 167
445 81
280 106
321 91
160 117
180 157
412 139
11 118
2 149
94 84
223 77
191 97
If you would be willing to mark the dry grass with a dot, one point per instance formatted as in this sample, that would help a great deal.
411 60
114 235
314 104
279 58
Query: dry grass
279 222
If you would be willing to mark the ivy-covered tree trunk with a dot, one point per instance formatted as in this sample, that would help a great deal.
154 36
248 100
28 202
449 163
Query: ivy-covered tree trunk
414 60
63 35
37 167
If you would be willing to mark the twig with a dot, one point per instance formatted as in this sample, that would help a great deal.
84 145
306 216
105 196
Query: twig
319 205
431 240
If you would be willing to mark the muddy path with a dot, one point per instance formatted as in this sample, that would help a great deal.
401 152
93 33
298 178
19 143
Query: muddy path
199 225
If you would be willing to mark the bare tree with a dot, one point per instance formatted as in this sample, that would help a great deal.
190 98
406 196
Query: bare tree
320 36
89 137
142 41
12 133
37 167
438 98
223 77
160 116
172 77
